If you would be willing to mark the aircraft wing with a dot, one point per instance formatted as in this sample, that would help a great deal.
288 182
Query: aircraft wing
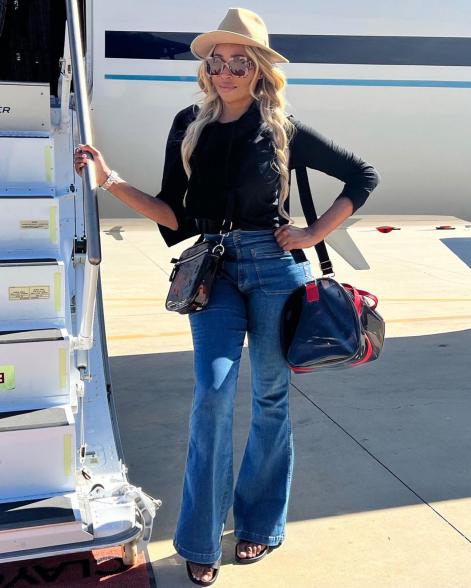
342 240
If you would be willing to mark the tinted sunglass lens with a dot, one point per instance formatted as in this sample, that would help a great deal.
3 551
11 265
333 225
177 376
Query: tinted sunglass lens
214 66
216 69
238 67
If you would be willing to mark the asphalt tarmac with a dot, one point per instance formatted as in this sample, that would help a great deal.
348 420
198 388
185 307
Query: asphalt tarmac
382 480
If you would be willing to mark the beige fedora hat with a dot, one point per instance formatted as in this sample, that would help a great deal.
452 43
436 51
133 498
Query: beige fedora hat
240 26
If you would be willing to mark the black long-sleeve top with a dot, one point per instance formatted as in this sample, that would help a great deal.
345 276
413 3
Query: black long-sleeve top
238 156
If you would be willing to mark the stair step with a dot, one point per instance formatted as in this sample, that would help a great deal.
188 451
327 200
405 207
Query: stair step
31 524
31 290
38 452
27 166
29 227
26 106
37 134
34 369
34 419
37 512
31 336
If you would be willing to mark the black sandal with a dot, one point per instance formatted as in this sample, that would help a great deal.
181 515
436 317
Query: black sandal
215 567
249 560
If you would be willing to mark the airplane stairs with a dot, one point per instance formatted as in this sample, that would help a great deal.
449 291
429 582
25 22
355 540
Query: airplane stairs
63 485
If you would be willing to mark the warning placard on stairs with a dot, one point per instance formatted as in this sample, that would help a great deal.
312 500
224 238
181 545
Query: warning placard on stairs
7 377
29 293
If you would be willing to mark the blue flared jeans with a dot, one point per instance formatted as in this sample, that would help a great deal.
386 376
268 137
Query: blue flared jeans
248 296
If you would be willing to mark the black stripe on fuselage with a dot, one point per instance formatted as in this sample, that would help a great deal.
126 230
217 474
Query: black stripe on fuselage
350 49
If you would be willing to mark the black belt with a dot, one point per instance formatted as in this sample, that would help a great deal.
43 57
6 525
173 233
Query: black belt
208 225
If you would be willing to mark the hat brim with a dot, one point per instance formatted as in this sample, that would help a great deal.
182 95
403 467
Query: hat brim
202 44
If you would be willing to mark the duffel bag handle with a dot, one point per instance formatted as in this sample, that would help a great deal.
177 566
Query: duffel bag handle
355 295
372 297
359 294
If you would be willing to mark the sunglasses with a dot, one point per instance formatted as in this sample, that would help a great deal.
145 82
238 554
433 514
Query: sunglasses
237 66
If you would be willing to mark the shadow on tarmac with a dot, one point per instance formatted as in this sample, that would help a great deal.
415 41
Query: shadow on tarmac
406 414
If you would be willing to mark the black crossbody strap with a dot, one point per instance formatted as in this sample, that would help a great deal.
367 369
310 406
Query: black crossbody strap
229 212
310 214
230 198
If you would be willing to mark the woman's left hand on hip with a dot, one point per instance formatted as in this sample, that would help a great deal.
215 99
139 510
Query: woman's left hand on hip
290 237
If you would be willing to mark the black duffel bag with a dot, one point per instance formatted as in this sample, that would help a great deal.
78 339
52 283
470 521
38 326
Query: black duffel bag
330 325
326 324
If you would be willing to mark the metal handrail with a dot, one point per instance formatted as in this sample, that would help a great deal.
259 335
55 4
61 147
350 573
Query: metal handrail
92 225
91 218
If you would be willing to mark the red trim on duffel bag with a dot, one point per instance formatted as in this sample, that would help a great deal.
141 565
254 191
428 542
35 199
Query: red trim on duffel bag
368 354
312 292
300 370
356 297
370 296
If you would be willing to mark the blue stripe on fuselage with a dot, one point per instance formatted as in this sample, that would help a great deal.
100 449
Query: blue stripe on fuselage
312 81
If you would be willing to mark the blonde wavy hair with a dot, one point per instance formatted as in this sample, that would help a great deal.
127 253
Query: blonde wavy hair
268 92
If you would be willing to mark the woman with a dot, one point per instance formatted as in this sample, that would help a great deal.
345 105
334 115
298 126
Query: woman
229 160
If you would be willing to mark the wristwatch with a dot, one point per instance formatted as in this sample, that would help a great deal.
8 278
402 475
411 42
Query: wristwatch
111 179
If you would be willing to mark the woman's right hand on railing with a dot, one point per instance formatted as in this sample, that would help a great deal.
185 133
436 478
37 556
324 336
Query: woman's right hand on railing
81 160
154 208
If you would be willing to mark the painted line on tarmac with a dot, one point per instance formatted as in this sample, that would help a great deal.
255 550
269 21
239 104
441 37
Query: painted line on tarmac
151 336
383 465
429 318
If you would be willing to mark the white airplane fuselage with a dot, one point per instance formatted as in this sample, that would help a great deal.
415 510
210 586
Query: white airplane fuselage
389 81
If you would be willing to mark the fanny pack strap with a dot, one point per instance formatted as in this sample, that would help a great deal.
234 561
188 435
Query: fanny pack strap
310 215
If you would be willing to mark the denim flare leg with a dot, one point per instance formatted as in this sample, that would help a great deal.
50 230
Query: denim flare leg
247 297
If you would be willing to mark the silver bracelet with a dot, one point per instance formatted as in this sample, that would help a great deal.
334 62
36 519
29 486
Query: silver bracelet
113 178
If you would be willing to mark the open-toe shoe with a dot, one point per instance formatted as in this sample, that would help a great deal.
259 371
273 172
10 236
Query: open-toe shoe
249 560
215 567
